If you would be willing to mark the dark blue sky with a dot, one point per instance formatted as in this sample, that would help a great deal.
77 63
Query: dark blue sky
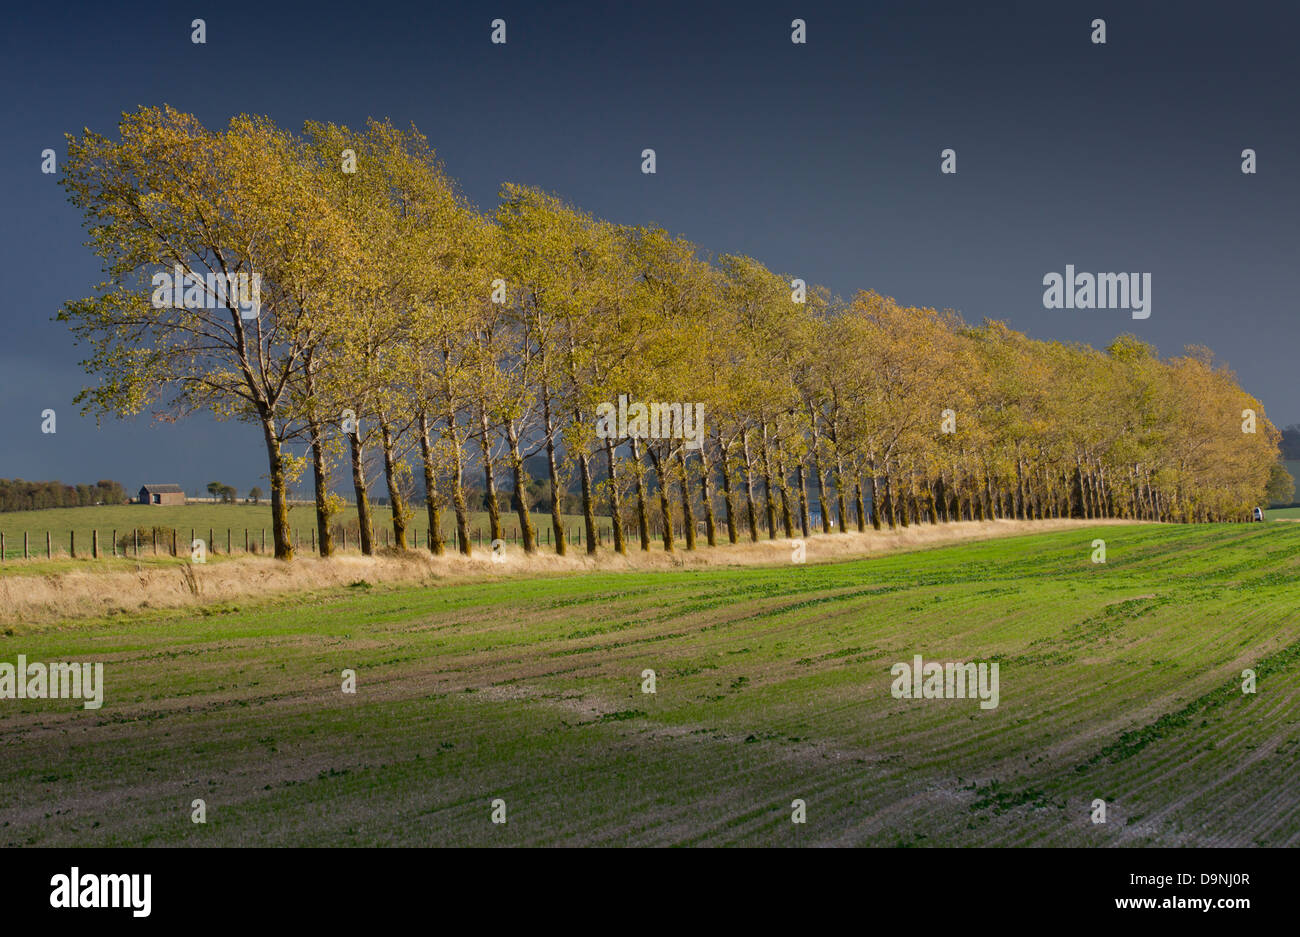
821 160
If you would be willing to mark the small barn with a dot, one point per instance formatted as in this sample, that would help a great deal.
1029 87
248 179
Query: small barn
161 494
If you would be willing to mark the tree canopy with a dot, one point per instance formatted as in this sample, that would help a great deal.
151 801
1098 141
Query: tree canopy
334 288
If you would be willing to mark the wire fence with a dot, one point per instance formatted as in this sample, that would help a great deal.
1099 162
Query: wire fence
253 541
160 541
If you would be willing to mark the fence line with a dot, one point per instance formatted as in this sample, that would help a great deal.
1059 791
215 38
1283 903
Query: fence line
255 542
130 545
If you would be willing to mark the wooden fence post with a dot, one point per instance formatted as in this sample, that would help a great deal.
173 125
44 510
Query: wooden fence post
94 544
72 544
49 547
26 555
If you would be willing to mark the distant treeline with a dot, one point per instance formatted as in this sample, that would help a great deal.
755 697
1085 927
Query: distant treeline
1291 443
19 495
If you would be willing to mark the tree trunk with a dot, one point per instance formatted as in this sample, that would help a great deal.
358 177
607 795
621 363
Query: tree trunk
588 504
320 479
642 512
279 497
769 504
489 473
615 507
458 486
552 468
364 522
665 506
688 513
432 500
395 500
887 504
787 519
728 498
520 479
320 471
821 493
706 495
749 487
904 498
838 478
875 493
801 479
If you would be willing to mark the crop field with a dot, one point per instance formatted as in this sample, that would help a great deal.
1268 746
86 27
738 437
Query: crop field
1119 681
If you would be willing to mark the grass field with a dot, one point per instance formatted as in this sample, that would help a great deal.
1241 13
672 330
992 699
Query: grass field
1118 681
217 519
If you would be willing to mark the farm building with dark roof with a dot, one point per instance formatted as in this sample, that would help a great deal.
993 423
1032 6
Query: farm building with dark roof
161 494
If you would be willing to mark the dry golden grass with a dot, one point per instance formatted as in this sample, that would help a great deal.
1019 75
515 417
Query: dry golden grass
89 592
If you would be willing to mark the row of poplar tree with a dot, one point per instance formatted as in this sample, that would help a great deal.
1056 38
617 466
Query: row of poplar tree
399 322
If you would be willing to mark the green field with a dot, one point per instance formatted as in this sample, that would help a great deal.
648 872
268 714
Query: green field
1118 681
221 520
